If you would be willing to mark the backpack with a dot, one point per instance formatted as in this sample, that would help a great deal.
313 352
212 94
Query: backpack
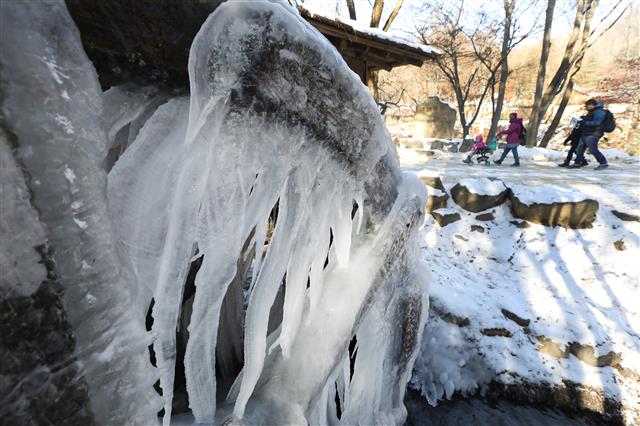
609 122
523 135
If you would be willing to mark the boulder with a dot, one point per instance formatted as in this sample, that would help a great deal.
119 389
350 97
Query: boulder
627 217
485 217
522 322
437 144
421 154
494 332
619 245
436 200
522 224
466 145
445 217
412 143
477 228
476 195
434 119
451 146
433 182
553 207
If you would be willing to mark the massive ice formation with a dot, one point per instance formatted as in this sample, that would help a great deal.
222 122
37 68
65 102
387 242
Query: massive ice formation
274 188
51 113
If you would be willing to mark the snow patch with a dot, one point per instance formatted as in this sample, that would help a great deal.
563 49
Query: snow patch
69 174
483 186
546 194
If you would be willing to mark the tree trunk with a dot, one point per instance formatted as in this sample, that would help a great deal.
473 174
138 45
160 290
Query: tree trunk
558 115
461 112
504 68
536 116
577 61
560 78
393 15
376 13
352 9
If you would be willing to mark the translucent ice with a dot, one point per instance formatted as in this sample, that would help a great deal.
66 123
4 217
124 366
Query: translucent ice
51 113
276 119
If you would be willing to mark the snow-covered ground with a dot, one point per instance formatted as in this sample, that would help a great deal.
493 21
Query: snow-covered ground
536 304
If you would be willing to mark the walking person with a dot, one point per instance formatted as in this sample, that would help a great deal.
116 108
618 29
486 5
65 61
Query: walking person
574 139
514 136
592 128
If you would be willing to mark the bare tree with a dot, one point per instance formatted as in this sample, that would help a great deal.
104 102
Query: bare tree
468 61
512 36
376 16
564 79
534 121
507 45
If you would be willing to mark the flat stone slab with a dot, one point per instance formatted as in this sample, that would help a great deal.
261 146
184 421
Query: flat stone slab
552 206
485 217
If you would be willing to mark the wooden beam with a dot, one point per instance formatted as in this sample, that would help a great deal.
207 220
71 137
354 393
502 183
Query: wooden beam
413 55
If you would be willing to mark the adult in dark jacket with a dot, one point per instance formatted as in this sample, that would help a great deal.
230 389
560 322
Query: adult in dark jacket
591 128
513 139
574 139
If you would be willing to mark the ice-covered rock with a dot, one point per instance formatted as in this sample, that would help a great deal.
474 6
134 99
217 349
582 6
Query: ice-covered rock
276 143
51 114
37 344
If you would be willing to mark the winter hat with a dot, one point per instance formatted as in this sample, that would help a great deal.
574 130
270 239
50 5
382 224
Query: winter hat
479 139
513 114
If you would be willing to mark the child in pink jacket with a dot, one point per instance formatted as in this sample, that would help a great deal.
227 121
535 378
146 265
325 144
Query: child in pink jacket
476 147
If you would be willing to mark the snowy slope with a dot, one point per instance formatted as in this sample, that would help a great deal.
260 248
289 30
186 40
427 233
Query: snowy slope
537 304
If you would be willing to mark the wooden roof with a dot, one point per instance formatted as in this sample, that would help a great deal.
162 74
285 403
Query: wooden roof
378 50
